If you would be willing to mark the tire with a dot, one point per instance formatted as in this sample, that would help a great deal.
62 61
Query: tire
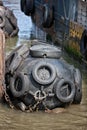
15 58
78 91
62 96
42 78
78 96
2 24
13 53
47 16
22 2
15 64
83 44
28 7
10 58
45 51
19 84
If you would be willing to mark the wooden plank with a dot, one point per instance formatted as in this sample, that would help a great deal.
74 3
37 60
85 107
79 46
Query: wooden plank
2 62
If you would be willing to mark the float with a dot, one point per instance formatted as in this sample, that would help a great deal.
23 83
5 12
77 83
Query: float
39 78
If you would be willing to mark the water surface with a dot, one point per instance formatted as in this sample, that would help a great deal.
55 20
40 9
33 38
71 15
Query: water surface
75 117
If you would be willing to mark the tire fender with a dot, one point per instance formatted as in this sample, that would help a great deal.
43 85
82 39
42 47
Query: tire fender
28 7
19 84
78 82
60 85
47 16
83 48
22 2
78 77
48 67
45 50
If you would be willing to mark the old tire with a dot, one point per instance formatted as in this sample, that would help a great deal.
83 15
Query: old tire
19 84
47 16
2 19
83 44
22 2
64 95
44 73
78 91
28 7
45 51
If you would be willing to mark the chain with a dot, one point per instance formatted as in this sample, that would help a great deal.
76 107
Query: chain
7 98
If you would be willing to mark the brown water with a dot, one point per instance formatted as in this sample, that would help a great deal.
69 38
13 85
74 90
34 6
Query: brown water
75 116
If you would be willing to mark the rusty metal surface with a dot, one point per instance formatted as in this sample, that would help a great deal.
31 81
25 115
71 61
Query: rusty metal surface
75 34
2 62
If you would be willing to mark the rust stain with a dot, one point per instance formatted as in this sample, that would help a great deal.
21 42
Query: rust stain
75 34
76 30
2 62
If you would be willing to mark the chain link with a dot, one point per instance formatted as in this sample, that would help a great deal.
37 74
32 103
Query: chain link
7 98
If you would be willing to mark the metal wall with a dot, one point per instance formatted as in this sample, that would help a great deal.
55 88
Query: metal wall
64 11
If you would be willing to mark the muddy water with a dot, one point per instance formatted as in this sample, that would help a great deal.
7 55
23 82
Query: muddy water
75 116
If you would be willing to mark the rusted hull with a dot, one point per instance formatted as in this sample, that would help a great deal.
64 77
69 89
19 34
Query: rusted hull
2 63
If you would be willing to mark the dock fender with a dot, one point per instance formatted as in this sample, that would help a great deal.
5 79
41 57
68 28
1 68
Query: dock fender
2 20
47 16
65 90
22 2
78 87
45 51
28 7
83 43
44 73
19 84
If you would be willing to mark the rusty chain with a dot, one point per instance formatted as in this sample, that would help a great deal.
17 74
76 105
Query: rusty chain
7 98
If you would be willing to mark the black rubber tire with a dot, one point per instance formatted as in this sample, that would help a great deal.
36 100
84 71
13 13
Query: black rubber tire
58 87
49 67
15 58
13 53
47 16
2 24
21 81
83 44
10 58
15 64
78 91
78 96
22 2
45 51
28 7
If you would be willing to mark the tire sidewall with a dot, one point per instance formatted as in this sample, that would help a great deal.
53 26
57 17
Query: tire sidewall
22 3
28 7
82 49
37 67
47 16
51 53
58 93
78 87
25 84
